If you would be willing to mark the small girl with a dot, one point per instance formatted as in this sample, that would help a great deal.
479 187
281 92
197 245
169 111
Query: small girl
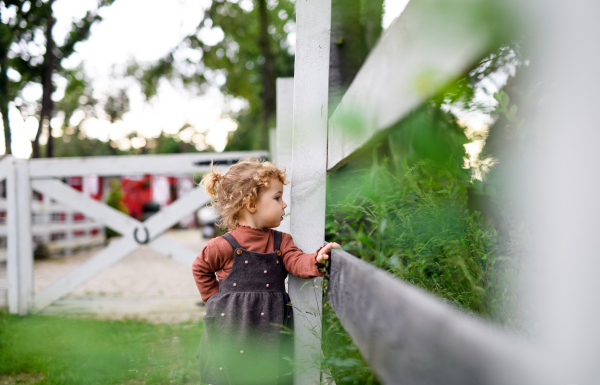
248 308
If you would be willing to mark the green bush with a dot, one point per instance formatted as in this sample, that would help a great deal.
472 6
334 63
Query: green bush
418 227
415 224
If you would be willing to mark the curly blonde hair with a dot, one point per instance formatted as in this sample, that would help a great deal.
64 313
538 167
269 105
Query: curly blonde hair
240 185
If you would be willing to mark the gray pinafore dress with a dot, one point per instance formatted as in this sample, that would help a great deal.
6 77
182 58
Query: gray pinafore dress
247 325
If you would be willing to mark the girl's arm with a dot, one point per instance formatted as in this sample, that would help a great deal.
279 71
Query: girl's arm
303 265
209 261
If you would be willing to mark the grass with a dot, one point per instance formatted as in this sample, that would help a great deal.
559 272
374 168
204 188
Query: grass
60 350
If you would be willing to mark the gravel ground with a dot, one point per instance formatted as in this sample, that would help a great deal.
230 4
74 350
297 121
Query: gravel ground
144 275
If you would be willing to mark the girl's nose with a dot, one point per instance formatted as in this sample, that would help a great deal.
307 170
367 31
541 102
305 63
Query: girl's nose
284 205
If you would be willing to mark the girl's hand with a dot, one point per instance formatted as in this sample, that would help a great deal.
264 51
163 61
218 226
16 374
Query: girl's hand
324 252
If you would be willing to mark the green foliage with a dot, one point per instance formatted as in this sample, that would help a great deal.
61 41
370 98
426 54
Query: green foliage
243 64
417 226
341 357
171 144
28 61
79 145
78 94
114 200
407 205
79 351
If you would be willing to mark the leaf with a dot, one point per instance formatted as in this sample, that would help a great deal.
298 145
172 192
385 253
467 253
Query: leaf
505 99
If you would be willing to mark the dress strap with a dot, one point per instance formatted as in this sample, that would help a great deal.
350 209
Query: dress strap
229 238
277 241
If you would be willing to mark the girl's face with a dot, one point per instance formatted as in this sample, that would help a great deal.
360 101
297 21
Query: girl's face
270 207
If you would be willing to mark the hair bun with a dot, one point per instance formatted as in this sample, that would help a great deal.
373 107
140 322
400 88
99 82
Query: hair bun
211 182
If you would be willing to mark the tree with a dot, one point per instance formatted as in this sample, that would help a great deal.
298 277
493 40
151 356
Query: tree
32 18
20 28
252 52
48 68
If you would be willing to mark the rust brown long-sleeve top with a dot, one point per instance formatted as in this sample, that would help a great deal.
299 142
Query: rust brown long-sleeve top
217 257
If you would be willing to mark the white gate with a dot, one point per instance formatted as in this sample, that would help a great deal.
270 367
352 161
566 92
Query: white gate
40 175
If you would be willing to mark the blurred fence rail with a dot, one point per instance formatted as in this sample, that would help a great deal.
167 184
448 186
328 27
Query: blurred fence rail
410 337
427 47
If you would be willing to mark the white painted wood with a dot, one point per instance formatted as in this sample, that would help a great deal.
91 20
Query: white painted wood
172 214
24 238
97 210
285 127
42 207
12 244
409 336
419 54
156 225
69 234
76 243
57 227
174 250
101 261
45 229
134 164
273 143
309 162
79 202
3 294
560 197
124 306
5 166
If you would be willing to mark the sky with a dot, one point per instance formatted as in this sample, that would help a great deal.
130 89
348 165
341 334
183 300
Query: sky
143 30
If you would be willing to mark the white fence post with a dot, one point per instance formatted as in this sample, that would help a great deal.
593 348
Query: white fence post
273 143
283 140
12 246
309 173
22 190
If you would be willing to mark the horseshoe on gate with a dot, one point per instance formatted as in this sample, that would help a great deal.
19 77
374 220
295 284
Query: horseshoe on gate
146 239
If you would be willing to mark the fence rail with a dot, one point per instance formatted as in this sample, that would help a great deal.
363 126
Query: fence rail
410 337
428 46
58 236
133 164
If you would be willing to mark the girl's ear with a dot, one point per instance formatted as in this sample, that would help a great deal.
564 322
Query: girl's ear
251 207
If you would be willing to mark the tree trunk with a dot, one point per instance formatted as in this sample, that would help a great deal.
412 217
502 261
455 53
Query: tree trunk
48 88
4 98
354 30
373 17
268 75
347 48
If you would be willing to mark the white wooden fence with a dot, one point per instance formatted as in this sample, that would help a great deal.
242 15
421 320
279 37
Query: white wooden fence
23 176
57 227
405 334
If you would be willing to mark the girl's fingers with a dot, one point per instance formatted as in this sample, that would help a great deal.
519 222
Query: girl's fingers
324 253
